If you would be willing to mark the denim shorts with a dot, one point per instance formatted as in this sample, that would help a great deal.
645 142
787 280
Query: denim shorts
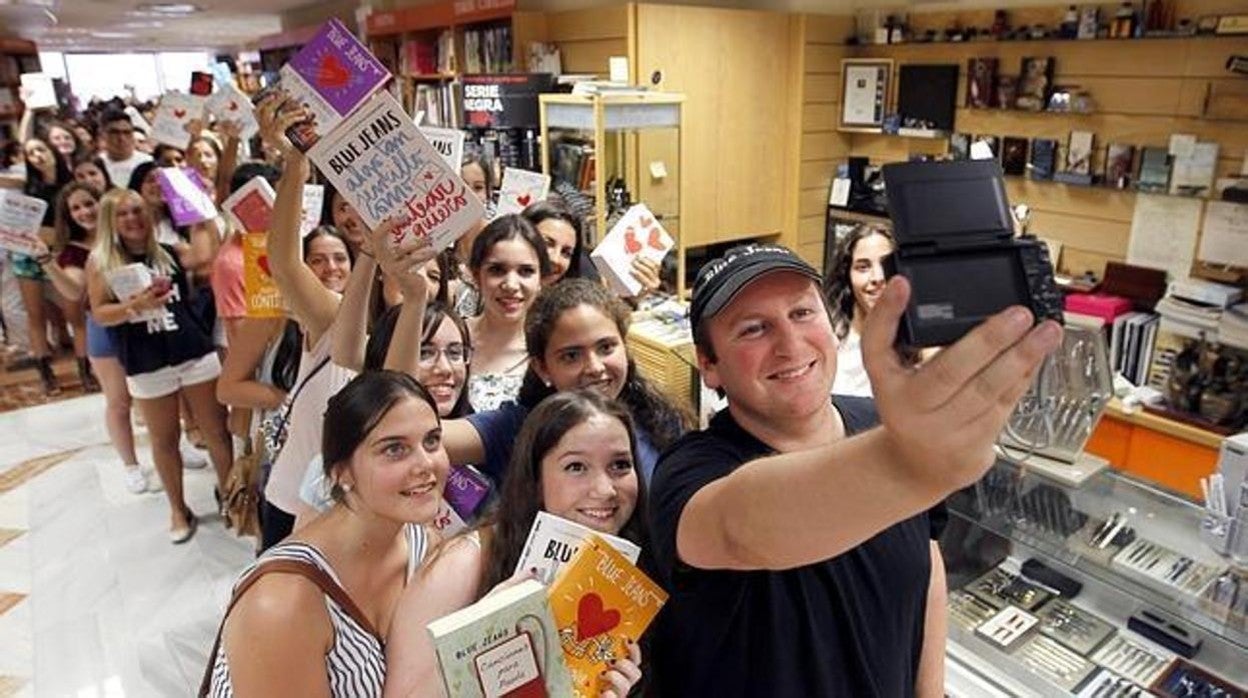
99 342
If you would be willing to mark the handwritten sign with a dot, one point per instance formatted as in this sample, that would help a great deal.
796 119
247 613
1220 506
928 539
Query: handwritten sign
20 218
263 297
520 188
384 167
251 207
331 76
637 234
175 112
449 142
228 104
186 194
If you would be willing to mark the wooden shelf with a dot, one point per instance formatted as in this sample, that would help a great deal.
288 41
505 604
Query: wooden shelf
621 112
1177 429
1016 110
442 14
430 77
1052 40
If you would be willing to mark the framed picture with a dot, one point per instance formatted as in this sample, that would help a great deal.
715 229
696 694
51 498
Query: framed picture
865 85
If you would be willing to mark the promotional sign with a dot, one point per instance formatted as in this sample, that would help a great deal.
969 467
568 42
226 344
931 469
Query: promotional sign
384 167
504 101
330 76
20 218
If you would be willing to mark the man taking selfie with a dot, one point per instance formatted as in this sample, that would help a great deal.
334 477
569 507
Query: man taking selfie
793 532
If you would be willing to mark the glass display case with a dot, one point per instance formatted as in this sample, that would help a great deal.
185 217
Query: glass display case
1101 589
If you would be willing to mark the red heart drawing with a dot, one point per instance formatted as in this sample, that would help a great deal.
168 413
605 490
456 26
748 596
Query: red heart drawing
179 113
263 262
331 72
233 106
592 619
646 221
631 245
656 239
524 199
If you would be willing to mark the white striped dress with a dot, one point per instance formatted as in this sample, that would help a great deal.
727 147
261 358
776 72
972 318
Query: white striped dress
356 661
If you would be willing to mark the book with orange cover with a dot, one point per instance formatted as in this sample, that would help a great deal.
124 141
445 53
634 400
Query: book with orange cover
600 602
264 299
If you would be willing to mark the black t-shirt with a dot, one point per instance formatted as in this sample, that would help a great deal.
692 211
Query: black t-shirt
848 626
178 336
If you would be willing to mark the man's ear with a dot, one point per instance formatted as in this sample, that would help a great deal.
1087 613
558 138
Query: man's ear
709 370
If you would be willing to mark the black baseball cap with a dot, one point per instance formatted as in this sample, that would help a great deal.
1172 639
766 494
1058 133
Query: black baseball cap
721 279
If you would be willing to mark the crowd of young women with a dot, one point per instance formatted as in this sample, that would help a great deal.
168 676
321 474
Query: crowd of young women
392 366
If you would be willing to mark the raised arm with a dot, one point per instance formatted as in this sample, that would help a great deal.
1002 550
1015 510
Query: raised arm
69 282
405 266
229 160
310 302
350 333
938 426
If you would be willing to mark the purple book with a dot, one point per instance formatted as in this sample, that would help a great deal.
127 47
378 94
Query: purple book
339 67
466 489
186 193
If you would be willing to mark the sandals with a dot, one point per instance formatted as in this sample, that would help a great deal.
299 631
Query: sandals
178 536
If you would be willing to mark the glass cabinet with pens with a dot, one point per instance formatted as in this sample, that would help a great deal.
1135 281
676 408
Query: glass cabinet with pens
1068 577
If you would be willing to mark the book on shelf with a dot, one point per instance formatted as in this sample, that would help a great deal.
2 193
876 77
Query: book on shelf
554 541
600 602
440 104
1154 170
487 50
506 644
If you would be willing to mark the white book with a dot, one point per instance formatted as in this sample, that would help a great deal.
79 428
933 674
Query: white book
520 189
637 234
251 207
41 91
20 219
553 541
228 103
174 114
129 281
449 142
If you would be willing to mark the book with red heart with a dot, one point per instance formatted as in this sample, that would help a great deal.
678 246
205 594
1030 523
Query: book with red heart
466 490
228 103
331 76
554 541
506 644
175 112
379 160
638 233
519 189
600 601
264 299
251 207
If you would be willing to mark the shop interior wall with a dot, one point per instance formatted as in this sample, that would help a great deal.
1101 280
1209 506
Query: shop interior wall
1144 90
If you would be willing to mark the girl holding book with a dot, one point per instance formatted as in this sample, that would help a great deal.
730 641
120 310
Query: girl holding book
574 458
574 336
162 343
313 615
561 231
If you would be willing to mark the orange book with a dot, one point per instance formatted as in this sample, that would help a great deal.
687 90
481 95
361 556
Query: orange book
263 297
600 601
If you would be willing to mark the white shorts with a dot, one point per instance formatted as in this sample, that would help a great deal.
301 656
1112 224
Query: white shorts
167 380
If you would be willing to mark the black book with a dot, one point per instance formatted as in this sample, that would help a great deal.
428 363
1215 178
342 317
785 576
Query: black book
1014 156
1043 157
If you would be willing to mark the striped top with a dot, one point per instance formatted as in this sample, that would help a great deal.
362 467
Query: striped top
356 661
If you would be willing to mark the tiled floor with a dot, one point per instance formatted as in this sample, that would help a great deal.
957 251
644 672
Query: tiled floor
94 600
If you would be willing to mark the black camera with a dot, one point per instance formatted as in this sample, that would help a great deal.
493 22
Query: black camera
955 243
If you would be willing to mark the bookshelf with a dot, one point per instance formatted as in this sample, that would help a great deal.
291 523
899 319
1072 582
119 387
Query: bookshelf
602 120
17 56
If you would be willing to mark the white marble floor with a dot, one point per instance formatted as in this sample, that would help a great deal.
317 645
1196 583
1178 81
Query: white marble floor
106 606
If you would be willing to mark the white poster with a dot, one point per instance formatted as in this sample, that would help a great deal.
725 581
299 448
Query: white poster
449 142
520 189
40 92
175 113
1224 239
1163 233
862 85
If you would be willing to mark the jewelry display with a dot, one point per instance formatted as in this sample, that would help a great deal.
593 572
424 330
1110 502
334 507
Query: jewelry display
1132 660
1000 589
1007 627
1185 680
1106 684
1163 567
1077 629
1055 662
967 611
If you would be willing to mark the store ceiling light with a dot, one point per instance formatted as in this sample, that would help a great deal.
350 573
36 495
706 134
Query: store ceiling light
173 9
